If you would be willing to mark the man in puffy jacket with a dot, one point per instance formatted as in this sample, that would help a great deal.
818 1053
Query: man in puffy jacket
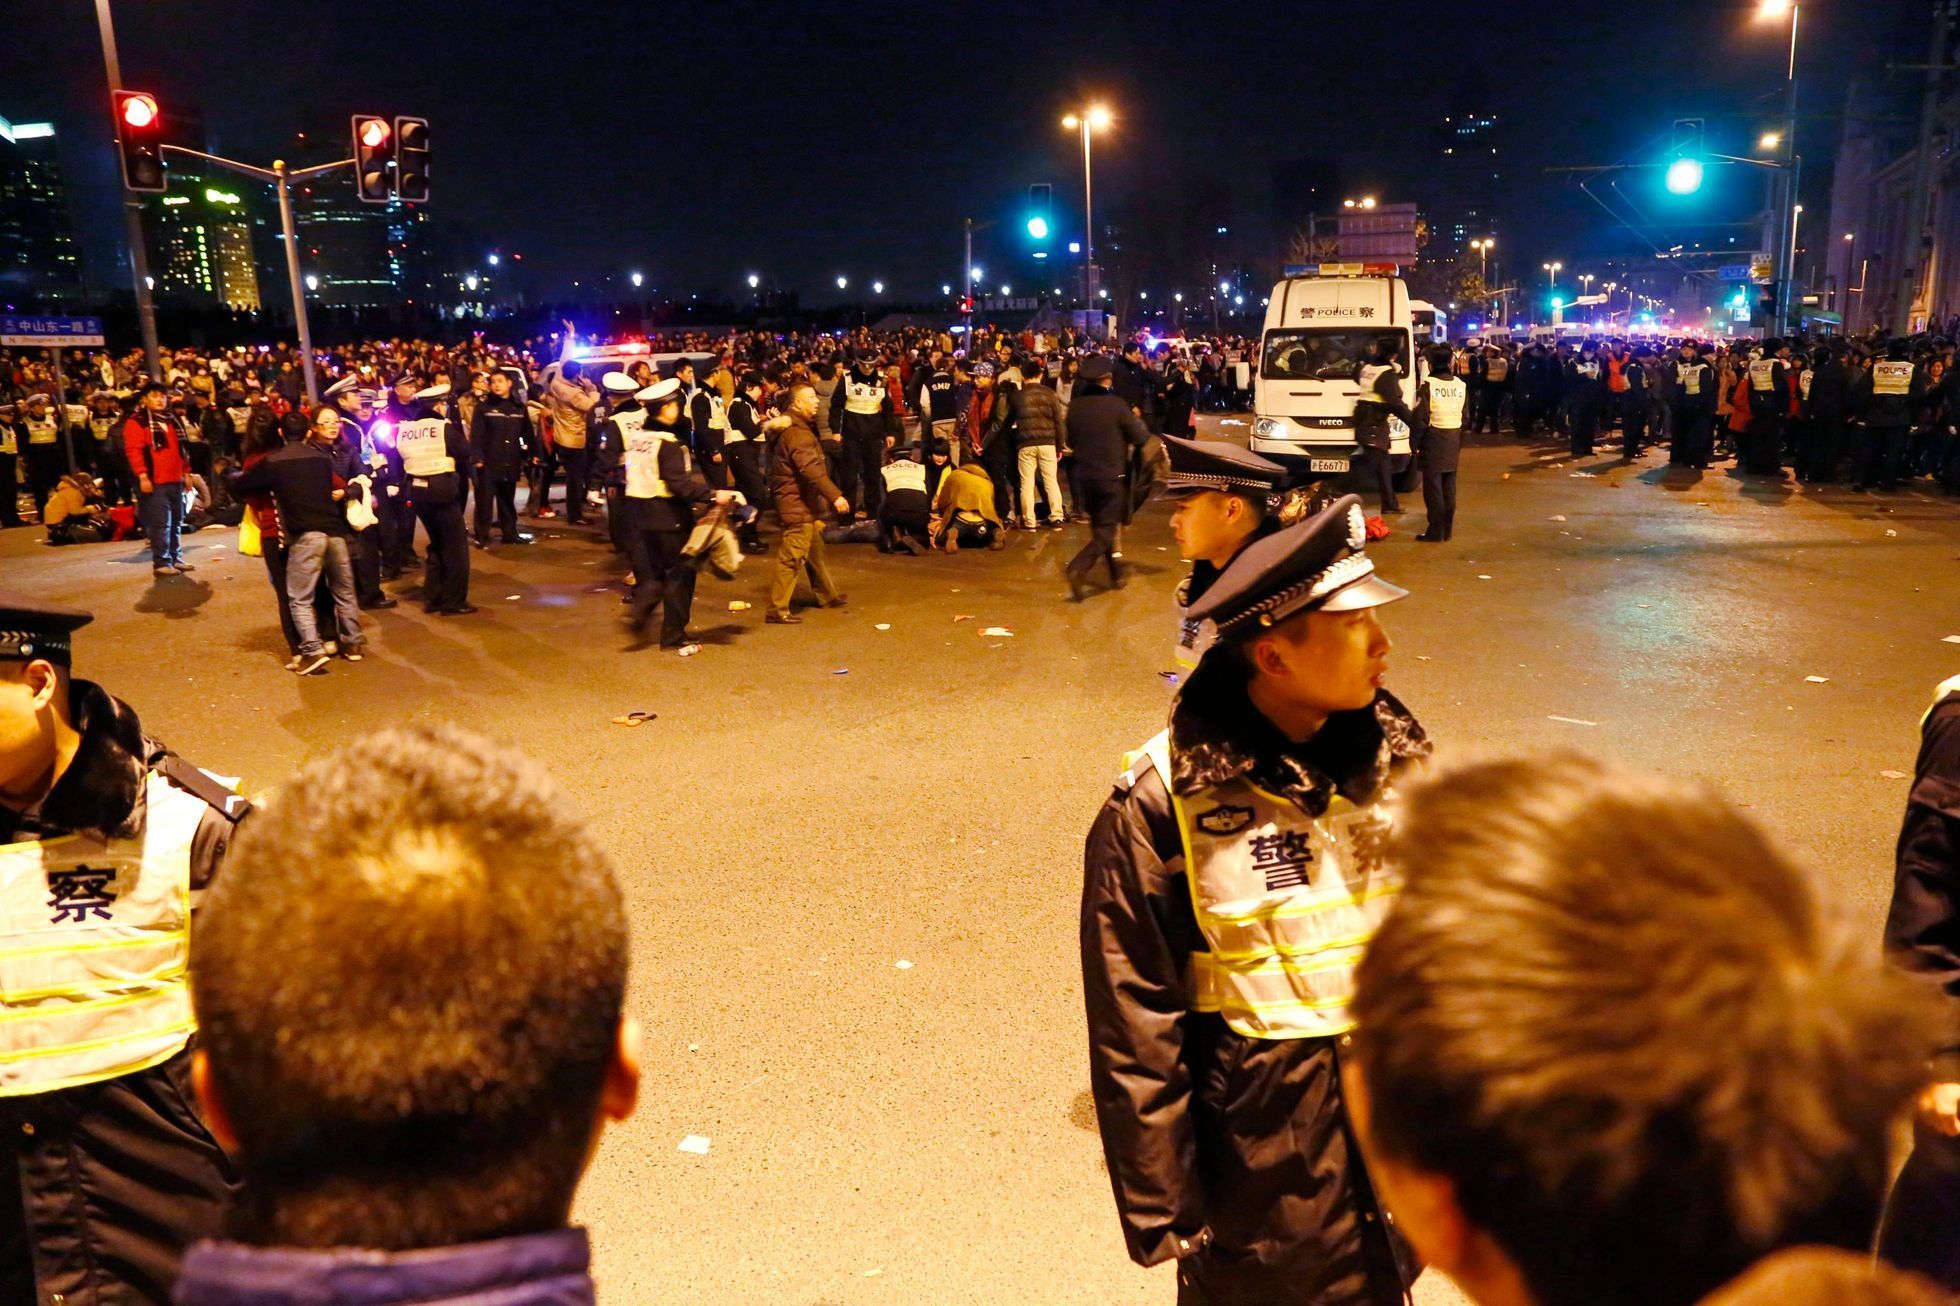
802 489
1037 419
570 400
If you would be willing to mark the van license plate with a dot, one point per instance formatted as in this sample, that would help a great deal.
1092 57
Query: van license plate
1328 464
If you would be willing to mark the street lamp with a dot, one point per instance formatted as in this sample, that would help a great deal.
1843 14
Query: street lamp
1093 119
979 274
1786 253
1553 269
1769 140
843 282
636 279
877 287
945 290
754 281
494 260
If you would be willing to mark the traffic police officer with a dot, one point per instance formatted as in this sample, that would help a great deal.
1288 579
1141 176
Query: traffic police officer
1445 396
623 415
105 838
357 461
1231 882
1769 400
40 446
393 505
433 452
1222 493
662 489
861 413
708 415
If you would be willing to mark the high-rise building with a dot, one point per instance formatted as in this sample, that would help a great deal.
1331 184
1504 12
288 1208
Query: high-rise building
37 232
200 238
1463 207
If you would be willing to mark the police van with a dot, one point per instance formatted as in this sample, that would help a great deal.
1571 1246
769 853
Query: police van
597 360
1322 323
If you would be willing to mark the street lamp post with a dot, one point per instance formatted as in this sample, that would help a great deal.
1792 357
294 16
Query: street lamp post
1092 119
139 264
1553 268
1786 252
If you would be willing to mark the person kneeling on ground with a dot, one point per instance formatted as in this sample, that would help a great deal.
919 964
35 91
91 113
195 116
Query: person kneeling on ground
75 512
905 514
413 1104
1611 1051
963 511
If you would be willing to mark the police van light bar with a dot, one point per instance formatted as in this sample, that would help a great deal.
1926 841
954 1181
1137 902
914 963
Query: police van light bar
1343 269
631 347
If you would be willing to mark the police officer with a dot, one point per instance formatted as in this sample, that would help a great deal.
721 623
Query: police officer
111 463
1221 493
1769 399
9 468
434 455
1444 398
358 462
1381 396
105 835
1692 408
1103 430
662 490
745 449
1883 398
861 413
708 416
1231 882
40 448
622 413
394 506
1585 392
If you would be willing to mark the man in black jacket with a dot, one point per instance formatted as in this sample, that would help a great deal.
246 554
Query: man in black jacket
500 434
1820 441
1381 396
300 477
104 836
1922 935
1102 429
1216 1037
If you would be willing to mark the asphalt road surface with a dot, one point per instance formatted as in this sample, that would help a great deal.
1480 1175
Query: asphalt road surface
852 852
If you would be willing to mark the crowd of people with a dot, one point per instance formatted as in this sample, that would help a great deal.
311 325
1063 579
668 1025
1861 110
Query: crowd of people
914 441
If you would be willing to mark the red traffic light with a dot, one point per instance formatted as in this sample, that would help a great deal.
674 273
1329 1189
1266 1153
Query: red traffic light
374 133
139 110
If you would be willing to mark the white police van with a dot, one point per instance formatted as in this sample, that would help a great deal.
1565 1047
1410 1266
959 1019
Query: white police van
1322 323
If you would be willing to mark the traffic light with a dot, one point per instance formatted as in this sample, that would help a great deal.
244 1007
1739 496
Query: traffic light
1684 170
139 136
1041 209
412 160
373 157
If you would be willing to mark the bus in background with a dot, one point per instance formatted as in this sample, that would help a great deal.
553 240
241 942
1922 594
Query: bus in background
1430 325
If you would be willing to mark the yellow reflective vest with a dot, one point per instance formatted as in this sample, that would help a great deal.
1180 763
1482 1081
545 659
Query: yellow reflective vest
95 949
1286 902
424 447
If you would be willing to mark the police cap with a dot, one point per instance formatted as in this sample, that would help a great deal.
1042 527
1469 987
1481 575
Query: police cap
31 629
341 387
440 390
618 383
659 390
1198 465
1316 566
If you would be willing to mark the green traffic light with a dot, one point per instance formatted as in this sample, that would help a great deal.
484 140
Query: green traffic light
1684 176
1038 228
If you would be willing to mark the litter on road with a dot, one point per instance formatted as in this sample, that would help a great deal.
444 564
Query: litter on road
739 605
962 616
1817 680
997 632
904 964
635 718
1572 720
1169 675
512 598
1482 577
1558 516
883 625
1893 775
841 671
695 1145
1951 639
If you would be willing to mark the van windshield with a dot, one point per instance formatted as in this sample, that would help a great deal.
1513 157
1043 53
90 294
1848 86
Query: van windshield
1324 353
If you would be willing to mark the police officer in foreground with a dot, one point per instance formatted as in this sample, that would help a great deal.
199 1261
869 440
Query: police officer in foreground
434 454
1222 494
105 836
1216 979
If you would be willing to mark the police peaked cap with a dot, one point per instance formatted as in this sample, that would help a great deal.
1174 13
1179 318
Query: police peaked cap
1198 465
618 383
659 390
30 629
1317 566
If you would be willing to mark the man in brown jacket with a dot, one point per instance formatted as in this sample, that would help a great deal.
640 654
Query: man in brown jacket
570 400
802 490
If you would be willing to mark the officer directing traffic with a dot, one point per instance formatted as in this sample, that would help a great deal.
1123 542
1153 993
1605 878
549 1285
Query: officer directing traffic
105 835
1231 882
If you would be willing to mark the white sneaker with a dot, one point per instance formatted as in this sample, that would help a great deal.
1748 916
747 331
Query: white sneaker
350 657
331 647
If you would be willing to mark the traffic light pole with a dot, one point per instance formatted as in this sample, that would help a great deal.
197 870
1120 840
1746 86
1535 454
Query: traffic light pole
280 177
139 262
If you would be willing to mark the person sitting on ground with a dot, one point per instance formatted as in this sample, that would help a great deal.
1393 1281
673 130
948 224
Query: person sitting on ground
76 513
1611 1051
963 512
411 1107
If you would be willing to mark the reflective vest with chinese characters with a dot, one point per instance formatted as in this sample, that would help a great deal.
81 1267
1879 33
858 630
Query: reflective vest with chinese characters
863 397
1287 902
642 445
1762 375
42 430
1689 375
423 448
95 949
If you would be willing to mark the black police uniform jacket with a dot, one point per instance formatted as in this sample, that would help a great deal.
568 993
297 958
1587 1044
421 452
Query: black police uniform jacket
109 1182
1202 1128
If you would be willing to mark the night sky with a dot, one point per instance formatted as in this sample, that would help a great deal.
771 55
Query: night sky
800 141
